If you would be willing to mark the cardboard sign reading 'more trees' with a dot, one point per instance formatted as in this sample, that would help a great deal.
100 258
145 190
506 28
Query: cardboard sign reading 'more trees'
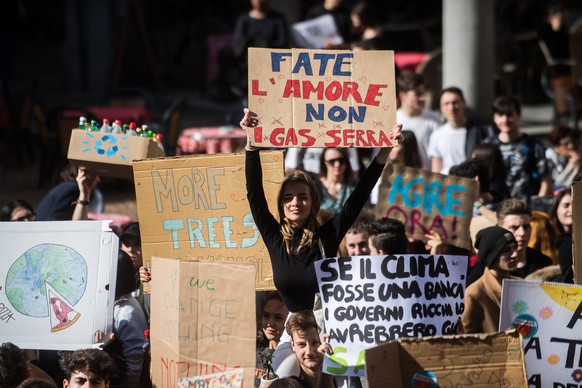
426 202
195 208
322 98
549 316
368 300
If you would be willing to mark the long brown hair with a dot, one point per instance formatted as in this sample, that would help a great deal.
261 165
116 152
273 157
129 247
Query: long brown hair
308 237
345 156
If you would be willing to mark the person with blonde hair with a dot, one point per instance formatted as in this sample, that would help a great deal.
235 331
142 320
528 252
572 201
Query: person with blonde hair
296 239
543 235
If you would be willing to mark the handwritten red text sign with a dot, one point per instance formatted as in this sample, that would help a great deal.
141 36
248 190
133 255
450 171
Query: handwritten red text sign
322 98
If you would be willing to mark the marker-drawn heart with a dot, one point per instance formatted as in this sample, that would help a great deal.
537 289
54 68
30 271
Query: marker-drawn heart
385 107
261 100
280 76
363 79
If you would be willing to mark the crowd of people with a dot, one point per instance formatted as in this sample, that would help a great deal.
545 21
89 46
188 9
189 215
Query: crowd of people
326 209
328 212
510 240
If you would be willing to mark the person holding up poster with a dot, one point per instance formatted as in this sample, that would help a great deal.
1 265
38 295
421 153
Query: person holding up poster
498 250
297 240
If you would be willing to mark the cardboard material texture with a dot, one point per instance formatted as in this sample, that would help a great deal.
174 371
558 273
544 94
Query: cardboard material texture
477 360
322 98
425 201
203 320
195 208
577 230
108 154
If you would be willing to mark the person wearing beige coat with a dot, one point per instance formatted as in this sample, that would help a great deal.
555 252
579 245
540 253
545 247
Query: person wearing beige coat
498 249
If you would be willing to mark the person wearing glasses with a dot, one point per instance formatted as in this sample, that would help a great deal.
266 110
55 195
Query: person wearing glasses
335 183
17 210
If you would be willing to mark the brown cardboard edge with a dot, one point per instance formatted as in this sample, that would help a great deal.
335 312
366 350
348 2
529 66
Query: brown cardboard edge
577 230
390 351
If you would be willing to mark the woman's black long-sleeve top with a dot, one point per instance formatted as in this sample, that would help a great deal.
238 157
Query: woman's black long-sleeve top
294 274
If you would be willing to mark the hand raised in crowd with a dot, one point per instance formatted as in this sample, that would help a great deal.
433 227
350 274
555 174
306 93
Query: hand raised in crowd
87 181
99 337
248 122
144 275
435 244
325 347
395 135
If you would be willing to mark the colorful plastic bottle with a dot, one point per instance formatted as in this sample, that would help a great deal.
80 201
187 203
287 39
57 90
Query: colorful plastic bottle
143 132
93 127
131 131
82 122
157 137
105 127
116 128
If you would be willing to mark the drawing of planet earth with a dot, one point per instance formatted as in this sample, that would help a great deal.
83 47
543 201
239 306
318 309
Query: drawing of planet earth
63 268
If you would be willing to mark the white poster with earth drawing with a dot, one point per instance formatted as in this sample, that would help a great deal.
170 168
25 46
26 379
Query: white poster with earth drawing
57 283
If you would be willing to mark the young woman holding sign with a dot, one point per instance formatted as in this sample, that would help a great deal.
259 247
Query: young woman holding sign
297 240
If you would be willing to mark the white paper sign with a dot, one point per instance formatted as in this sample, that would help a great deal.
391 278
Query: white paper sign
549 316
57 283
316 33
368 300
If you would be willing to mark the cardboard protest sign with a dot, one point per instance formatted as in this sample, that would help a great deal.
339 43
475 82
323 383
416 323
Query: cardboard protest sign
109 154
372 299
425 201
470 360
203 320
317 33
549 316
231 378
577 230
195 208
57 283
321 98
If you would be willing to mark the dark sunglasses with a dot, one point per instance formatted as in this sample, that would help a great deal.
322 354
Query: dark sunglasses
332 162
27 217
